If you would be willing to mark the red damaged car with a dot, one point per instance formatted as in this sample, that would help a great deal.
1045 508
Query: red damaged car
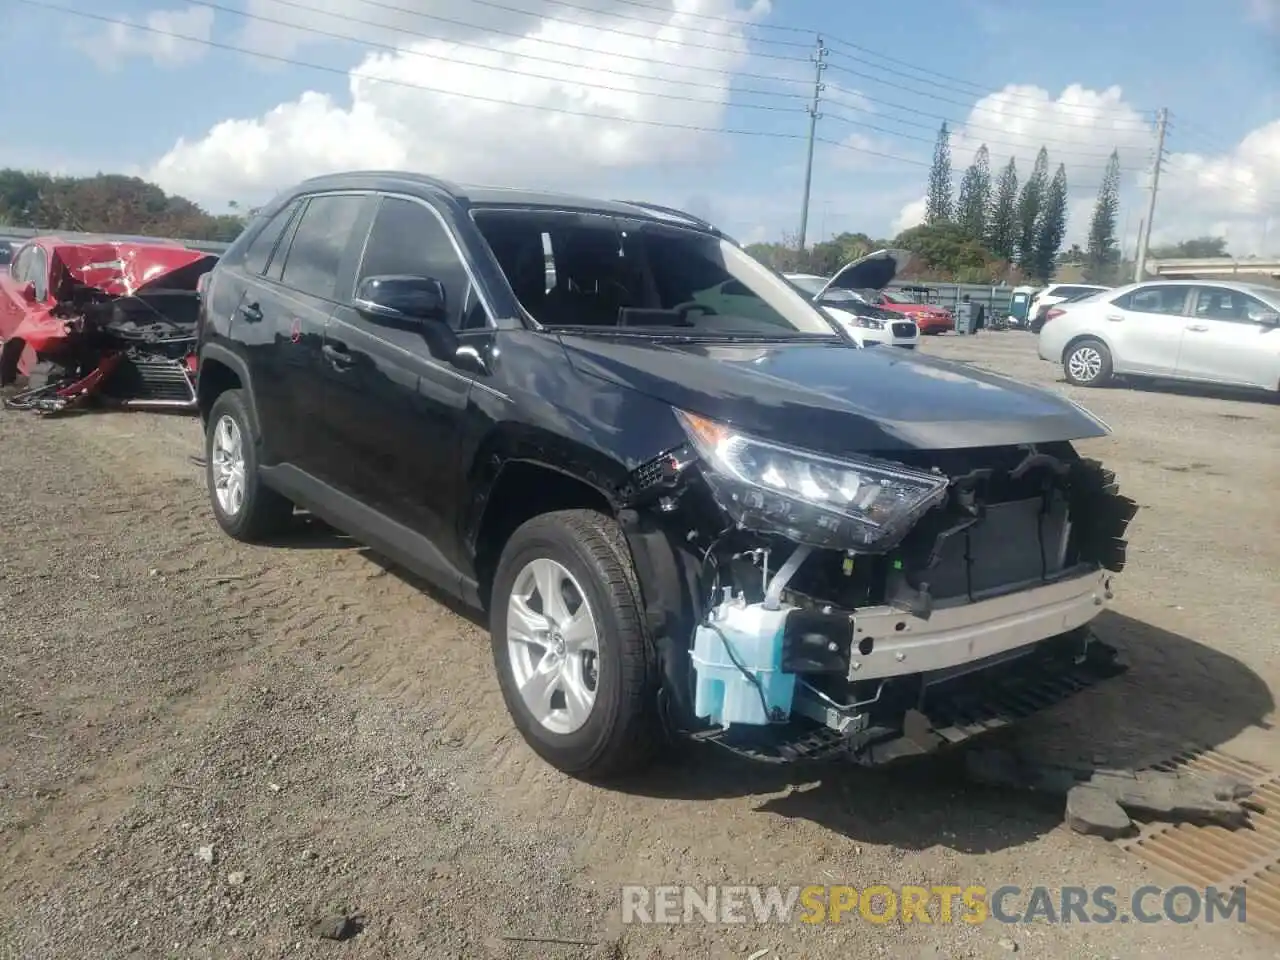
930 318
109 319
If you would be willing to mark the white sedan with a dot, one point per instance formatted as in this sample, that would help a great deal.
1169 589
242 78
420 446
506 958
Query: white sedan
867 324
1206 331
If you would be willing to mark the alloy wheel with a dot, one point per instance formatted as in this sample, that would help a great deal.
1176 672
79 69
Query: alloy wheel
227 463
553 643
1085 364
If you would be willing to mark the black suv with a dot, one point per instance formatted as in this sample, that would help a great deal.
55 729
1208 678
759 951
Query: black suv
689 505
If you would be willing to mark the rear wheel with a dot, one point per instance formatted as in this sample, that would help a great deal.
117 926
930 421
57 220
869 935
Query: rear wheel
569 646
1087 363
244 507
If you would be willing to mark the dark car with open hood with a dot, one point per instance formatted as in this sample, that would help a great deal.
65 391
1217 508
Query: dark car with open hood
689 505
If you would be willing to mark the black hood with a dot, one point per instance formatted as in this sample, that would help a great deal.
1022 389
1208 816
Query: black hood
875 271
832 396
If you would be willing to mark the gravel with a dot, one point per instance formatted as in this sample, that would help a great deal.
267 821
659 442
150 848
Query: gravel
209 749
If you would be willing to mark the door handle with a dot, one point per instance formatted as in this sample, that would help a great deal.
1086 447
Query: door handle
251 312
1115 317
337 355
1196 328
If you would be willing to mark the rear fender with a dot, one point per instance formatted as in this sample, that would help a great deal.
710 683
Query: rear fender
217 353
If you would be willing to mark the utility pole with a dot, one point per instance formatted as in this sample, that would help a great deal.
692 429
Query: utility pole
1144 238
819 64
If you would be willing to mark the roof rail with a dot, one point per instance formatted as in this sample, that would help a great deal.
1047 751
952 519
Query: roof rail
658 208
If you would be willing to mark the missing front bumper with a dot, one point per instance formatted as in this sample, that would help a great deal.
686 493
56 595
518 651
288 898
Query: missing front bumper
887 642
950 710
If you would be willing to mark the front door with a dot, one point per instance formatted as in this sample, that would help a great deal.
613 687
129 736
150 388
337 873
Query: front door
1146 327
1227 342
394 405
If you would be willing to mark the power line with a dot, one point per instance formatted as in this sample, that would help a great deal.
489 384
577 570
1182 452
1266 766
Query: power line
717 19
802 44
546 108
973 108
1032 143
523 55
500 68
319 32
381 4
976 87
958 124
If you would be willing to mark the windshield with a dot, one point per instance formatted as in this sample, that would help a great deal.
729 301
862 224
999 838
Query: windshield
605 272
892 298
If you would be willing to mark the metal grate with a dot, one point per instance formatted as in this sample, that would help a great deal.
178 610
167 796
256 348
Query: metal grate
1215 856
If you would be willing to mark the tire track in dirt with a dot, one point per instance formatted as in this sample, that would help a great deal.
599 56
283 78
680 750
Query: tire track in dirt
375 661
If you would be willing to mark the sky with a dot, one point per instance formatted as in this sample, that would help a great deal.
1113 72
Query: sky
700 104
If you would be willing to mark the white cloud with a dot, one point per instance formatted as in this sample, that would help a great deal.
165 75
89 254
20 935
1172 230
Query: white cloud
1079 128
911 215
120 41
1231 193
1235 194
510 129
1265 12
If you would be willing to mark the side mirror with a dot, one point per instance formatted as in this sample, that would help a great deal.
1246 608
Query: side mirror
28 291
1269 317
409 303
404 299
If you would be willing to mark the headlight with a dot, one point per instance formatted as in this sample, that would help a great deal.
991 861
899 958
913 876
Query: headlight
869 323
847 503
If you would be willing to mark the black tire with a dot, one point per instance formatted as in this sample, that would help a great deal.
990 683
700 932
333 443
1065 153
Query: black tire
621 731
1091 360
262 512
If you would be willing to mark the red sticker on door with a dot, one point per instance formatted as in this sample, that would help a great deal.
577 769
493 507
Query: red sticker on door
295 332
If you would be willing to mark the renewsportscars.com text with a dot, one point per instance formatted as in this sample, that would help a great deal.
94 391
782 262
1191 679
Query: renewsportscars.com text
882 903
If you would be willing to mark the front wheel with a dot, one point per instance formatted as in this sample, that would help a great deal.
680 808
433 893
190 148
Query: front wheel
1087 363
569 645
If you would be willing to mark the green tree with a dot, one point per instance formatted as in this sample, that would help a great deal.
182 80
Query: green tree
1002 219
1102 256
938 203
1196 249
106 203
1051 226
1029 203
975 195
946 251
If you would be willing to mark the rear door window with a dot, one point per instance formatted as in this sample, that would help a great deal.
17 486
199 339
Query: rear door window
259 253
321 238
1220 303
1171 301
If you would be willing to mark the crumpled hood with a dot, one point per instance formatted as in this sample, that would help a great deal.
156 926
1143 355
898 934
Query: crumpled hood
123 269
834 397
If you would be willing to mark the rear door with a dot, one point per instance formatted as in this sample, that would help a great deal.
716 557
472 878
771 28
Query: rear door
1224 343
1145 327
395 409
287 309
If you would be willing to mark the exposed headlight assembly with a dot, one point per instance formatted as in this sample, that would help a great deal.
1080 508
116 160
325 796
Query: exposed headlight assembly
847 503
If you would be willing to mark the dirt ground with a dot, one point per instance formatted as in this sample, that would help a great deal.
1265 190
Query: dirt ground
336 737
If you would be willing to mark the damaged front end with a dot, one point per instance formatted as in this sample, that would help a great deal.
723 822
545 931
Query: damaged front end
120 328
869 609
